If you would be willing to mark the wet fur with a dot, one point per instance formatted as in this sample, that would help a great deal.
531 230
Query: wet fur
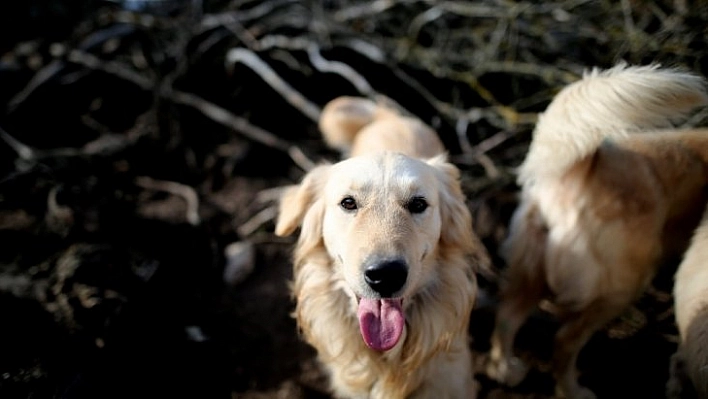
432 359
610 190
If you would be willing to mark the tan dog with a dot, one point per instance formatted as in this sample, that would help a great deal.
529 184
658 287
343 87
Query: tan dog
691 309
610 189
384 265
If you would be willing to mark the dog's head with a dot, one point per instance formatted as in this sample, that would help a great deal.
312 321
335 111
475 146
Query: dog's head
386 221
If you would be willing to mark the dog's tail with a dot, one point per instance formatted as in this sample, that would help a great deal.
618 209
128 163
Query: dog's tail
343 117
605 105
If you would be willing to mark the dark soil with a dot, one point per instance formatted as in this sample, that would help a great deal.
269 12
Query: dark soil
137 146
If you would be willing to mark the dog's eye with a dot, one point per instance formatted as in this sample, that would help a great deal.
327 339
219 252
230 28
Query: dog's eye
417 205
348 203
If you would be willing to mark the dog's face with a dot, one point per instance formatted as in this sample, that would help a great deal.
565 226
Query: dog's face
380 218
382 223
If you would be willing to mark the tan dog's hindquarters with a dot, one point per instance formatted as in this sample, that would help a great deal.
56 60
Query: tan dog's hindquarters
606 196
607 105
384 276
691 311
355 126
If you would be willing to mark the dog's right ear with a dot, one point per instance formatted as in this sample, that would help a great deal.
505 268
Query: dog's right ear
296 200
457 232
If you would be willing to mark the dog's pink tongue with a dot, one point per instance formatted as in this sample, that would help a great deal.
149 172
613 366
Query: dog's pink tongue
381 322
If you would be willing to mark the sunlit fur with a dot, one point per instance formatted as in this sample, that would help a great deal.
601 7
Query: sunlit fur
432 359
356 126
609 191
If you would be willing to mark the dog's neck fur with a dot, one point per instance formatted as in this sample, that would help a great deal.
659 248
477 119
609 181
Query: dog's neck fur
396 373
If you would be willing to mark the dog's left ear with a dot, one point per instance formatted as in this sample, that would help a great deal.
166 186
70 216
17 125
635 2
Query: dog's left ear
457 232
296 200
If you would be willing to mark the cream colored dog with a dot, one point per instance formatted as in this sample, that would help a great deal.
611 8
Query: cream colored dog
384 265
691 309
610 189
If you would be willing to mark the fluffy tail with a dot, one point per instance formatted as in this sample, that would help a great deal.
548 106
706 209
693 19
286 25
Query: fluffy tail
608 104
343 117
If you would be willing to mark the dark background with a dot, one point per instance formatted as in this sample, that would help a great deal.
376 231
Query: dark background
118 116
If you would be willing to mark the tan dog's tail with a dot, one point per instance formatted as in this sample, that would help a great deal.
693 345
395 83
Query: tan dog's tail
343 117
608 104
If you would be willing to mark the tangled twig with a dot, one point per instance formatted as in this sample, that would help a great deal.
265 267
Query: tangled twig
181 190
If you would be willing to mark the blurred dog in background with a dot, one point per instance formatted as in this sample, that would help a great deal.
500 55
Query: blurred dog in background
610 189
690 363
384 266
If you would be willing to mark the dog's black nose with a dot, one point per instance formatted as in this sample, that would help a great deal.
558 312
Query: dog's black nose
386 277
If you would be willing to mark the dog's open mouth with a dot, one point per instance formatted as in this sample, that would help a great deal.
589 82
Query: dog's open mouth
381 322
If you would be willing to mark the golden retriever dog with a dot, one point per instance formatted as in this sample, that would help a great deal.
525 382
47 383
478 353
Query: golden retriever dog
691 310
384 265
610 190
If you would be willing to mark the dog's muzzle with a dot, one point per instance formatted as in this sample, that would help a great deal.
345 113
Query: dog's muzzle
387 277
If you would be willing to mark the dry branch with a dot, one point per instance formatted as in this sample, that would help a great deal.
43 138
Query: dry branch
242 125
292 96
183 191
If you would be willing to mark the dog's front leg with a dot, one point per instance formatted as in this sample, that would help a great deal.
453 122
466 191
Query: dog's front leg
448 374
525 288
503 366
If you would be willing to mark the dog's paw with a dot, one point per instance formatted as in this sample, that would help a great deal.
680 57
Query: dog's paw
577 392
509 372
678 385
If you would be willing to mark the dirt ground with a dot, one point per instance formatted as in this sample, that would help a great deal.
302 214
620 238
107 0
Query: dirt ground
143 142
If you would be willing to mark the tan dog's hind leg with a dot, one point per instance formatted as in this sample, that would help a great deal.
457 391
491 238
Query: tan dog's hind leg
574 333
694 350
688 376
689 365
